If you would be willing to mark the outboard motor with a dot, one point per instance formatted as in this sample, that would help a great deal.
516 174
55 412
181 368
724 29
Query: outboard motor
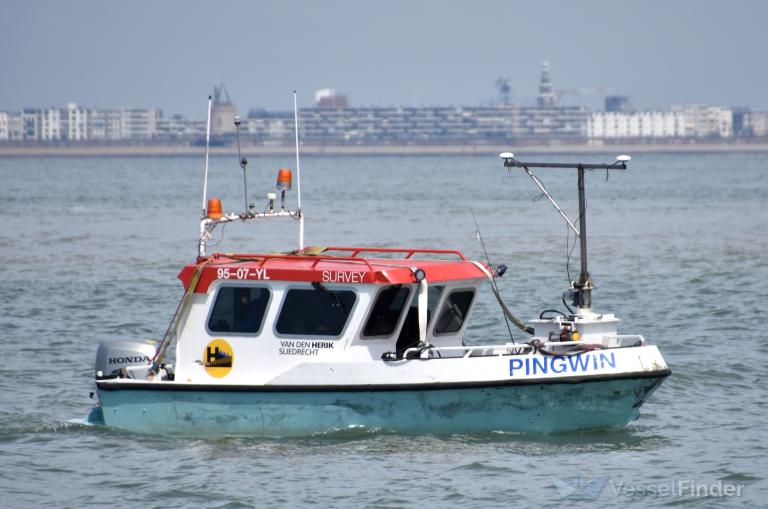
113 355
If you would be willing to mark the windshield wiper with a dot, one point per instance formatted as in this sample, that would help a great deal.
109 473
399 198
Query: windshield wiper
335 301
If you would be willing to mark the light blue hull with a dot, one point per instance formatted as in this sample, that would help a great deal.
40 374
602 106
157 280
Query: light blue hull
542 408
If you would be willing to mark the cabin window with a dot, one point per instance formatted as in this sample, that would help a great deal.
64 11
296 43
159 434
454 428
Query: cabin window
454 311
239 309
386 311
315 311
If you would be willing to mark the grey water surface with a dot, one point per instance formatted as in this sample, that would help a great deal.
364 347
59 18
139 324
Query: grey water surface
90 249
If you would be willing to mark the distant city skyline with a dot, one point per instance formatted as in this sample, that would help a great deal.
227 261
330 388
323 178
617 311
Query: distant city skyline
171 54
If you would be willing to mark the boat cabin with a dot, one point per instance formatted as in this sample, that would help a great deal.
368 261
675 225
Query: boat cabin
252 317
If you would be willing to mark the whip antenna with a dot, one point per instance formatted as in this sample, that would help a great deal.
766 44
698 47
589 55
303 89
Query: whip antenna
243 162
493 278
205 170
298 172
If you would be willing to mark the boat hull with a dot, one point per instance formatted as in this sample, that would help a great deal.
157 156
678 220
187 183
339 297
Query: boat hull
270 412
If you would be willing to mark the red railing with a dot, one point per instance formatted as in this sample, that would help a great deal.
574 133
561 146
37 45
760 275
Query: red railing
407 251
315 259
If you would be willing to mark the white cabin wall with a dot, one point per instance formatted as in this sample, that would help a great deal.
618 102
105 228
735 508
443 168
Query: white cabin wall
258 359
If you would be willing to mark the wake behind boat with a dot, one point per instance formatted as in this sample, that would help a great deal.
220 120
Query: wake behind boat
321 339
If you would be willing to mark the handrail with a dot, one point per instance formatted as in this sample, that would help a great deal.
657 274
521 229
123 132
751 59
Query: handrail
468 348
264 258
517 347
409 252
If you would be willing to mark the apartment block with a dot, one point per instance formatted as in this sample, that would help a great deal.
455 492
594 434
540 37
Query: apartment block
138 123
637 124
5 131
704 121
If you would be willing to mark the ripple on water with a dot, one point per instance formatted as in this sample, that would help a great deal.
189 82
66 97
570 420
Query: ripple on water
672 252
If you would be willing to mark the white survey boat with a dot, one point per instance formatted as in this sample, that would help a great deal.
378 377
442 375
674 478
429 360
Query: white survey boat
321 339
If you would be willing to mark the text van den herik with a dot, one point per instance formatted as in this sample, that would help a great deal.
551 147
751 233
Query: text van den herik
303 347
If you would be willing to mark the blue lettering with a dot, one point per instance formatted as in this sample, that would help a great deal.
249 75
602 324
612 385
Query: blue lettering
541 363
535 365
578 361
558 365
605 359
513 365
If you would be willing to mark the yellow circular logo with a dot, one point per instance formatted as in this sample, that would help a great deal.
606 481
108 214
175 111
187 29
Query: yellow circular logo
218 358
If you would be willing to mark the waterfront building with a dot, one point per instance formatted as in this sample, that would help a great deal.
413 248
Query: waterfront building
105 125
704 121
328 98
5 132
138 123
51 124
76 123
11 127
420 125
552 121
636 124
178 128
756 123
31 124
41 124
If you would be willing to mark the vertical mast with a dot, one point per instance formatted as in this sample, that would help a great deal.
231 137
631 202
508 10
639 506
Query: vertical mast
298 171
584 284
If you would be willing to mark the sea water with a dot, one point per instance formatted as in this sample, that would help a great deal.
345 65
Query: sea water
90 249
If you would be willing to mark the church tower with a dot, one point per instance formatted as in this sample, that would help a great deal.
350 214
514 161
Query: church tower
222 112
546 94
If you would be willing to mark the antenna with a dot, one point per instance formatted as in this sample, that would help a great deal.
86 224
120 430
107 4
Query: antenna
493 278
298 172
212 211
243 162
207 148
584 285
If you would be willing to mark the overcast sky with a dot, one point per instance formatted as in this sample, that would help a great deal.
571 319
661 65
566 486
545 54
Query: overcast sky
169 54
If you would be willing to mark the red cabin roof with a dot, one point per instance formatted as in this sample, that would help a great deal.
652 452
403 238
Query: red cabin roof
325 268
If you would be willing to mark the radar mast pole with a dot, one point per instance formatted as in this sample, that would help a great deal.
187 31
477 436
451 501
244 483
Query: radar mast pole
584 284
